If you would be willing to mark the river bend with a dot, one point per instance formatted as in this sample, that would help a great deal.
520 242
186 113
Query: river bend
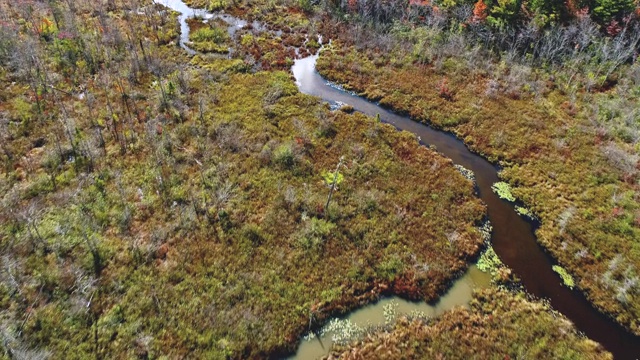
513 237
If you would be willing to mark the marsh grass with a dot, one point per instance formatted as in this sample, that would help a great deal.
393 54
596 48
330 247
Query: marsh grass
209 37
200 231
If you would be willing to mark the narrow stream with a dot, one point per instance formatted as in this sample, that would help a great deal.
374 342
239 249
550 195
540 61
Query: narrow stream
187 13
513 237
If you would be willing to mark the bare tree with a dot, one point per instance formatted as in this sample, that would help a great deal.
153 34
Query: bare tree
30 217
90 100
88 231
5 137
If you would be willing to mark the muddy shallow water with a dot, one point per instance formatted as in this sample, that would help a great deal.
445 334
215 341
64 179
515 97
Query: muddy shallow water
374 314
513 237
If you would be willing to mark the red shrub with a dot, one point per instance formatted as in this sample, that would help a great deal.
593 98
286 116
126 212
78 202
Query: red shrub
479 12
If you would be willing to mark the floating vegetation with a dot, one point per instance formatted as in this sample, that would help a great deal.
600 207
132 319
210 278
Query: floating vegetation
503 190
418 314
489 262
466 172
499 324
390 312
342 331
485 230
523 211
567 279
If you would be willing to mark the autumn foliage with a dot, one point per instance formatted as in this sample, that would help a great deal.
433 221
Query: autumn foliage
479 12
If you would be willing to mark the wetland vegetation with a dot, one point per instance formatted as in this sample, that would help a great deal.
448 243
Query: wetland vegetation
569 154
156 203
490 329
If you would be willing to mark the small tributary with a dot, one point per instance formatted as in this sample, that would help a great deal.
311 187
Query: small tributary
513 237
187 13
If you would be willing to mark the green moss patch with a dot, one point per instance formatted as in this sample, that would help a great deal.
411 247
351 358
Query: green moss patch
503 190
209 37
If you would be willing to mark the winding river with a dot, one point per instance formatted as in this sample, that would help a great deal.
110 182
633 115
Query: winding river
513 237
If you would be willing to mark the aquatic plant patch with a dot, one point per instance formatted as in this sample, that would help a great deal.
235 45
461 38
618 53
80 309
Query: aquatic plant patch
567 279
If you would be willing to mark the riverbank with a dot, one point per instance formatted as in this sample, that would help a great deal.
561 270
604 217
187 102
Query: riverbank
494 328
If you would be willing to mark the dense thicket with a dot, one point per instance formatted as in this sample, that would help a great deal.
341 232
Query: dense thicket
496 13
